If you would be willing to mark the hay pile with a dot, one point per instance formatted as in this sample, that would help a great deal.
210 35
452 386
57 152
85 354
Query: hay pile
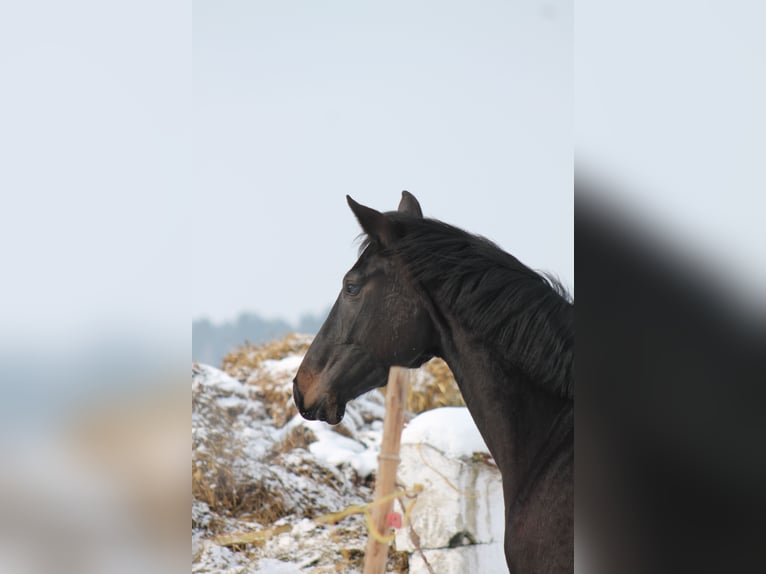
260 474
250 477
269 370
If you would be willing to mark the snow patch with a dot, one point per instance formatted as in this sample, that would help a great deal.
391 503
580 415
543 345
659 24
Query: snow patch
212 377
448 429
271 566
281 368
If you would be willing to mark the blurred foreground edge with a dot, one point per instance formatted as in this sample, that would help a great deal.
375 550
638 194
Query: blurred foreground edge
670 473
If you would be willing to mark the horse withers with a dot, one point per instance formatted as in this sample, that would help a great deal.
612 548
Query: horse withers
422 288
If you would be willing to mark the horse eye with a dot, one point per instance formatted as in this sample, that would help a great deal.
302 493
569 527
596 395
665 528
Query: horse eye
352 288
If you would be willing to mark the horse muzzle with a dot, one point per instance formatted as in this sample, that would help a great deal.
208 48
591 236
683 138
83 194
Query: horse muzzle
306 413
322 409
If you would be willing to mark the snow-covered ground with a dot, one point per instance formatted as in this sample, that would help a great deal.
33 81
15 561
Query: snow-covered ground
261 476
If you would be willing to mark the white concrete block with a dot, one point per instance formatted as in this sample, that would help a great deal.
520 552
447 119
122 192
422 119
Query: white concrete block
475 559
459 516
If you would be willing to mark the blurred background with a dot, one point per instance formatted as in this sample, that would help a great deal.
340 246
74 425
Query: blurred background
95 177
670 212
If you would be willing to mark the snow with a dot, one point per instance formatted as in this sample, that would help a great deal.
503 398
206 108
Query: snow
282 367
448 429
213 377
211 557
237 439
237 447
271 566
334 449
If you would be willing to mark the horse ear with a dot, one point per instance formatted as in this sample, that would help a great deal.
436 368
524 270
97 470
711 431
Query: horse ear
374 223
410 205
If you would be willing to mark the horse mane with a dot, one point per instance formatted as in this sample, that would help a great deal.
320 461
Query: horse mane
525 317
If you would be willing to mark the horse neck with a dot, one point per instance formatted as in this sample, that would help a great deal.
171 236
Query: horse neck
516 417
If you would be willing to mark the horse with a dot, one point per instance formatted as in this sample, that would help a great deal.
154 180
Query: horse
422 288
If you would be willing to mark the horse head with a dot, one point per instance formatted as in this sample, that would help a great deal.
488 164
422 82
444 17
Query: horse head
378 321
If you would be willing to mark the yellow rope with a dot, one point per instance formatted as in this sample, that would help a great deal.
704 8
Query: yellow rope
380 537
259 536
335 517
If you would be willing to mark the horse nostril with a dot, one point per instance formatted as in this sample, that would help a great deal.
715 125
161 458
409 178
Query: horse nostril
306 413
297 396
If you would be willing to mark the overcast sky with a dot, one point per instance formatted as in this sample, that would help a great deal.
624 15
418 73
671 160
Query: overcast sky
296 104
109 215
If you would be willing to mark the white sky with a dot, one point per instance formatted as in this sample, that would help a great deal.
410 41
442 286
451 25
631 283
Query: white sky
466 105
109 217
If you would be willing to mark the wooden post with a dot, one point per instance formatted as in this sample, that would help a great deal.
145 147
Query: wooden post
388 461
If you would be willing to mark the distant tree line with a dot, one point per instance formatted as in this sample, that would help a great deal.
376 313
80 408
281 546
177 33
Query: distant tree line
211 342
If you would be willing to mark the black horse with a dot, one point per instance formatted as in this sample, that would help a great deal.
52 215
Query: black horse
422 288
